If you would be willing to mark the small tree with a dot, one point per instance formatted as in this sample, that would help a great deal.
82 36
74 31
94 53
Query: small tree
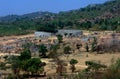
60 38
70 34
60 66
53 50
113 72
72 63
67 50
43 50
87 47
94 44
78 46
94 66
65 34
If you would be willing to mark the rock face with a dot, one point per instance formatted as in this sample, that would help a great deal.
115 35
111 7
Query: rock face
42 35
70 32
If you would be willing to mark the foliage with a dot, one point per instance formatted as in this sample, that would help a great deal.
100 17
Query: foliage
24 62
60 38
94 44
53 51
113 71
87 47
26 54
48 27
34 65
78 46
60 66
43 50
94 66
67 50
2 66
72 63
26 46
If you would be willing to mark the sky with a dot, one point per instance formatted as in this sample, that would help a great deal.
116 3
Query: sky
19 7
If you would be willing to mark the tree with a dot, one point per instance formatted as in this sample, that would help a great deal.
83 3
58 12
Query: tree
47 27
16 64
65 34
26 46
87 47
29 65
78 46
67 50
70 34
60 66
34 65
2 67
95 66
26 54
60 38
53 50
113 72
43 50
94 44
88 25
61 24
72 63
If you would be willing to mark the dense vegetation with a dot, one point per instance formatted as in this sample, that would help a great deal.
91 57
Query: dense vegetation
93 17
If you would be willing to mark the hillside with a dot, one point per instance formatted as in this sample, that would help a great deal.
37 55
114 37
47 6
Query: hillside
93 17
34 15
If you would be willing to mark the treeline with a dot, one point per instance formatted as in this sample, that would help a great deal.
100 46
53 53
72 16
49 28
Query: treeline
93 17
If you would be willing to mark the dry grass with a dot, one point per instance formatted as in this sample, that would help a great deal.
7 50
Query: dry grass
81 57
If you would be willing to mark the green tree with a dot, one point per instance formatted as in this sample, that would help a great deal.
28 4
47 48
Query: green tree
24 62
87 47
94 66
34 65
72 63
113 72
17 62
60 66
94 44
26 46
60 38
43 50
65 34
16 65
78 46
26 54
67 50
53 50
